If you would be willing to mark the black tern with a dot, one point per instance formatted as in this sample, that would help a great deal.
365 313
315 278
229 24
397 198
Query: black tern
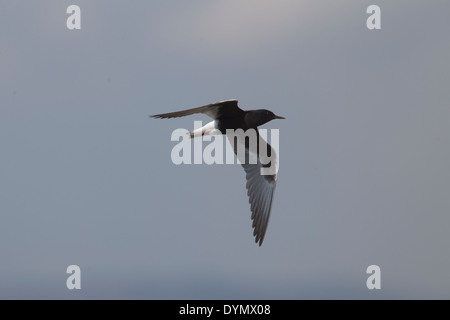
260 188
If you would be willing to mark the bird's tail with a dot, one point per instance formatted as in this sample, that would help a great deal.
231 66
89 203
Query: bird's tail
208 129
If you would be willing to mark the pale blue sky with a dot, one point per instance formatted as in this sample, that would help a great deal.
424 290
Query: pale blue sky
86 176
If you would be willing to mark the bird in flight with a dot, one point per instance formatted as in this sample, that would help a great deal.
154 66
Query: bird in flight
228 116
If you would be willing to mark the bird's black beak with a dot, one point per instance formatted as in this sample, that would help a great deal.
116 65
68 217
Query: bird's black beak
279 117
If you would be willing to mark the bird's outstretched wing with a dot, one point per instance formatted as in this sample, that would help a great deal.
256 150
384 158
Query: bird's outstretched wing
226 108
261 177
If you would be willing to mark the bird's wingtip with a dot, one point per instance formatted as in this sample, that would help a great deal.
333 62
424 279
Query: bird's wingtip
258 239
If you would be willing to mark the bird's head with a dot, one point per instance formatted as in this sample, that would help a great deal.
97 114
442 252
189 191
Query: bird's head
262 116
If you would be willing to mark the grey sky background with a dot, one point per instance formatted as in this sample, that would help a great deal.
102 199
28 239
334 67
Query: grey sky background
86 177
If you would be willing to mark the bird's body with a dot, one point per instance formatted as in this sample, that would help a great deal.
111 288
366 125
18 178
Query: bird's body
228 116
